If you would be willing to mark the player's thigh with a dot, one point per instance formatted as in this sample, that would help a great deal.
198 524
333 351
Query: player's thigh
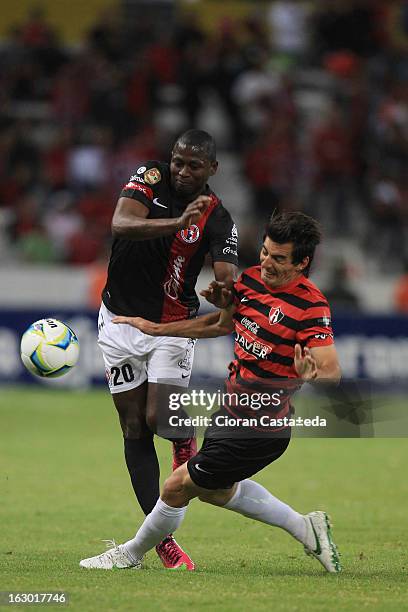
158 409
124 350
170 361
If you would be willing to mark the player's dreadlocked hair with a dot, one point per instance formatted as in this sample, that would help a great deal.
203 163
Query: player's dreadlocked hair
300 229
199 140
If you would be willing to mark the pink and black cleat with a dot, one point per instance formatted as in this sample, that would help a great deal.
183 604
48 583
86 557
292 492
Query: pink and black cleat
183 450
173 556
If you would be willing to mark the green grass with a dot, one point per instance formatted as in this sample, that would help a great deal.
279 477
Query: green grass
64 487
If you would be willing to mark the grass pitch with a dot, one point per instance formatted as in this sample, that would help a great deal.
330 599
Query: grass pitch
64 487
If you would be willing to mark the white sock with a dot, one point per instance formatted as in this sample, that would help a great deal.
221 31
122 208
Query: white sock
161 521
253 500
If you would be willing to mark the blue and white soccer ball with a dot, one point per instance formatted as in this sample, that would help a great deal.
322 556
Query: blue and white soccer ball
49 348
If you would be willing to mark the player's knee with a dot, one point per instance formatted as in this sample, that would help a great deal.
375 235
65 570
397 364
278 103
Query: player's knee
174 490
151 421
133 427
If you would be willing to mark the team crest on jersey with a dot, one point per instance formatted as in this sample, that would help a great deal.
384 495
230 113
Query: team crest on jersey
191 234
275 315
152 176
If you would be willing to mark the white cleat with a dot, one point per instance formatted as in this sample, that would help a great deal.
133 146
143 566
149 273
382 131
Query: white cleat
320 543
114 558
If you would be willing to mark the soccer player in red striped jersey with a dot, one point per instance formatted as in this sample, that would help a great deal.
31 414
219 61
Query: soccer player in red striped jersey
283 336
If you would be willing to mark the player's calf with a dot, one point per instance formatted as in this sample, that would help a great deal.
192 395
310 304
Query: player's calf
217 497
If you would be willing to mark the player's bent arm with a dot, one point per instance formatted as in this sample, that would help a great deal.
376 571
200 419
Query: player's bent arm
327 363
207 326
225 272
129 221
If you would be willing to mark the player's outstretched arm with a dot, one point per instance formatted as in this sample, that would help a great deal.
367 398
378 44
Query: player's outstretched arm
207 326
317 363
130 219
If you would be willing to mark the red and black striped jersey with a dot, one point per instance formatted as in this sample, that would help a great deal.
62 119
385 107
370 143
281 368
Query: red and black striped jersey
268 324
156 278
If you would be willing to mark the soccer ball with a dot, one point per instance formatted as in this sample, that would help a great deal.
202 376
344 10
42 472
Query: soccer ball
49 348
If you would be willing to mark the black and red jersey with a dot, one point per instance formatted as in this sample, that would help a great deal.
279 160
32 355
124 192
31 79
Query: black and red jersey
156 278
268 324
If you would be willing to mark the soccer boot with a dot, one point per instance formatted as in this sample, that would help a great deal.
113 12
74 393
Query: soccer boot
319 541
183 450
114 558
173 556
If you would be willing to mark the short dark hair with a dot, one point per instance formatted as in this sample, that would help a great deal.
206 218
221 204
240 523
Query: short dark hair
200 140
302 231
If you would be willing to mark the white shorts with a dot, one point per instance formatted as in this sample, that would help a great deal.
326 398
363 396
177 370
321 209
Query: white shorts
132 357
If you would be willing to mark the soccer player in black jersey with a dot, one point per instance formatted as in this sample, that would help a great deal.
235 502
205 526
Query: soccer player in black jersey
282 333
166 221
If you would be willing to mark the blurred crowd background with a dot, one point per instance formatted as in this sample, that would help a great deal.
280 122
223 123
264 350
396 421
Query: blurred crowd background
307 100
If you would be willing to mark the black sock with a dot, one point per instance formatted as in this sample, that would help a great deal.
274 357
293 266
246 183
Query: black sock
143 466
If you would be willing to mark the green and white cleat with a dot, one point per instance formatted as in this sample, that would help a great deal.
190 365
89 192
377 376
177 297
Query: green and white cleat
114 558
320 542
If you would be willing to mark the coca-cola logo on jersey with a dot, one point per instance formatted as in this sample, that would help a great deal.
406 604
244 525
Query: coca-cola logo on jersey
191 234
250 325
275 315
172 285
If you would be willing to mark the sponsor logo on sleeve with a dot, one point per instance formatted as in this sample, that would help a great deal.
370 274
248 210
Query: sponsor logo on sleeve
137 178
152 176
322 336
233 239
324 321
138 187
191 234
275 315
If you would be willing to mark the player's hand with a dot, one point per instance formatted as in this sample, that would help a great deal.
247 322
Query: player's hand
147 327
217 294
193 212
305 364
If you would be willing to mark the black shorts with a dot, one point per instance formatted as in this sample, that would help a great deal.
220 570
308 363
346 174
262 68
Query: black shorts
221 462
